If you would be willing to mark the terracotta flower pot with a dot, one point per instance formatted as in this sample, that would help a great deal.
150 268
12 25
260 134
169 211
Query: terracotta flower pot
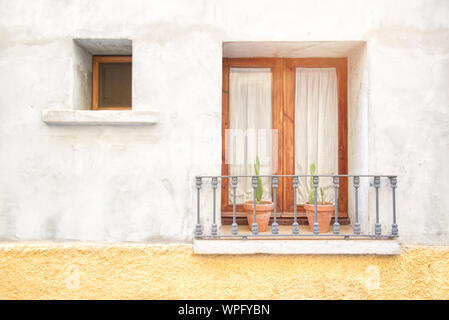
324 213
263 214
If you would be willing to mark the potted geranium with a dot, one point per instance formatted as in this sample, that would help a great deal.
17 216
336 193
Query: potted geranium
263 208
324 209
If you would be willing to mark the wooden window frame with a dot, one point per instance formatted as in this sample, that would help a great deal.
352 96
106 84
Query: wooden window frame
283 104
96 60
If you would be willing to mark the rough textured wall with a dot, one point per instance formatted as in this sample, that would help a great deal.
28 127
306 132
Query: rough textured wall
408 121
82 78
358 149
65 271
135 184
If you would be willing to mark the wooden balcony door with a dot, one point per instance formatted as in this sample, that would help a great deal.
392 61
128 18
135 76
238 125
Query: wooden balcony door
283 94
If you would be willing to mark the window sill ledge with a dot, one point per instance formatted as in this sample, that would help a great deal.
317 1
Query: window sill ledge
68 117
327 247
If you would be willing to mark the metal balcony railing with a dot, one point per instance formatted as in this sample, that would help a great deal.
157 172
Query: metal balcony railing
375 181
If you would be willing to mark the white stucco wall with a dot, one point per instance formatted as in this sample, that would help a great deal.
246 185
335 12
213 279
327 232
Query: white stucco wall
136 183
358 147
82 78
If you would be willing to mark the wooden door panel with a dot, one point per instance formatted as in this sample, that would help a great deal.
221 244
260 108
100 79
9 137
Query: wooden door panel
277 95
290 66
283 108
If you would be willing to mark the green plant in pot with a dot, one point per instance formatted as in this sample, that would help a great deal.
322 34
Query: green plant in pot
325 209
263 208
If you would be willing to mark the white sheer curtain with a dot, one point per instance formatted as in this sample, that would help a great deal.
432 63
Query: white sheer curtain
250 115
316 127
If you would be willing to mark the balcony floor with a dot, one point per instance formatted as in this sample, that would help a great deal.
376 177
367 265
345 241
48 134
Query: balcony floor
286 229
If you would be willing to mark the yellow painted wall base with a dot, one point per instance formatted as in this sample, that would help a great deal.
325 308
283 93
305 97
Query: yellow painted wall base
96 271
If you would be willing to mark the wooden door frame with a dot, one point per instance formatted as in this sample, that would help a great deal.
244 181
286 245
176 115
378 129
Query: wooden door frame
283 105
276 67
290 65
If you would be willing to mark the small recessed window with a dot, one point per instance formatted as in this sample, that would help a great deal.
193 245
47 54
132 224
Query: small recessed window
111 83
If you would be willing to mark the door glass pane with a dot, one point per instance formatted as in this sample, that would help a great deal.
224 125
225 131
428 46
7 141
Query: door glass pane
250 134
114 85
316 127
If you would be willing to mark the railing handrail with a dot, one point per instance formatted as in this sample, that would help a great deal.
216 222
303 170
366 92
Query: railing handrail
302 175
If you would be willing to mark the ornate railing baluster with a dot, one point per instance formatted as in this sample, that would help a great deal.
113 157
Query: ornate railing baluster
198 230
274 225
214 188
377 230
356 196
295 225
316 226
254 227
234 188
394 226
336 181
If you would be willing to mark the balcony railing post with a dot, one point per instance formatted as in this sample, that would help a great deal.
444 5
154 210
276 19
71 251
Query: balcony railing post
376 183
356 196
336 181
214 188
274 225
254 227
198 230
316 226
377 230
234 187
394 227
295 225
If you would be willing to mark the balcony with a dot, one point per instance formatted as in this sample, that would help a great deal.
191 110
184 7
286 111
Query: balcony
300 238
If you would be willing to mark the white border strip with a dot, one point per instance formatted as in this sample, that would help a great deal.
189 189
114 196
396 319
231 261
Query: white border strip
359 247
